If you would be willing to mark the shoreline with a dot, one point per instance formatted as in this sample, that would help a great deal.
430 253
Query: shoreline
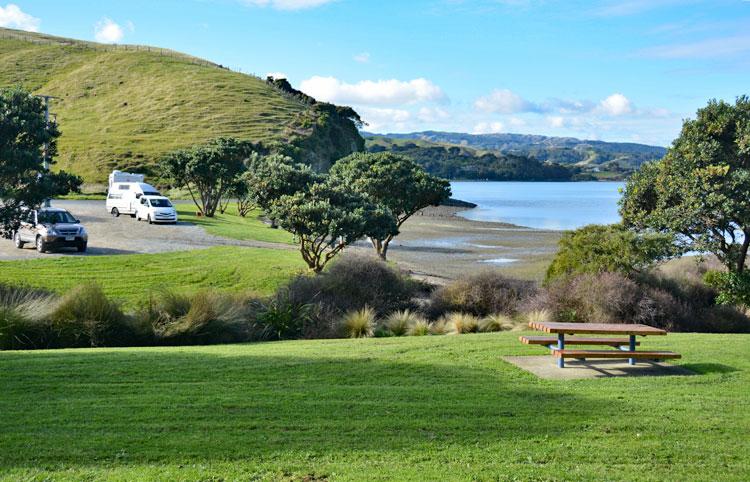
439 245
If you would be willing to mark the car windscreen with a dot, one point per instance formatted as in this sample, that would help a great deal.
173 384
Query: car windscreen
55 217
161 203
151 193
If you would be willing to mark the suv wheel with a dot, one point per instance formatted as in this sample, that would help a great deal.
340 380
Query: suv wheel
82 247
149 219
115 212
41 246
17 240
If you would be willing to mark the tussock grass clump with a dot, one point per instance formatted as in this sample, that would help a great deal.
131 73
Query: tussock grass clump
458 323
211 318
421 327
281 317
538 316
359 323
399 322
439 327
497 322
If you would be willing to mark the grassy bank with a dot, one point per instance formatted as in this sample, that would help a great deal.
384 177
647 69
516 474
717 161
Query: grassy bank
231 225
420 408
131 278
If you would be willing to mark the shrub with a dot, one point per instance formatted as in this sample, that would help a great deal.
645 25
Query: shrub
497 322
399 322
733 288
608 248
421 327
439 327
352 283
458 323
282 318
481 294
359 324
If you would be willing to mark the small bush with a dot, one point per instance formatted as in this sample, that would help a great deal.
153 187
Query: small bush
481 294
399 322
281 318
421 327
458 323
359 324
497 322
439 327
353 283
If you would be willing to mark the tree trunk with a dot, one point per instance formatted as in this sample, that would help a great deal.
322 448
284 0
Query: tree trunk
743 252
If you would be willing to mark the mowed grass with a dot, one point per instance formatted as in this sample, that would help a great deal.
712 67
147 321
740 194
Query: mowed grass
131 278
417 408
231 225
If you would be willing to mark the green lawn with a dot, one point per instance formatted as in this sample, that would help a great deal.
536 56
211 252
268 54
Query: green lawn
432 408
132 277
231 225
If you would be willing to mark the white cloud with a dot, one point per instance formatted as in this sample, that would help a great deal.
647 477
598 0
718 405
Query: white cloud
556 121
432 114
504 101
107 31
13 17
488 128
277 75
369 92
381 120
287 4
362 57
616 105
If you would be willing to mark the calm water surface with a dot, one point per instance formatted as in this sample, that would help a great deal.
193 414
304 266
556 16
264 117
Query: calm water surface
541 205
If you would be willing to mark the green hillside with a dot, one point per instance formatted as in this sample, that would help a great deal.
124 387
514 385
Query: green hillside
123 107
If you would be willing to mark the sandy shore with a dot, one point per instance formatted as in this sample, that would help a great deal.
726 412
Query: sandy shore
439 245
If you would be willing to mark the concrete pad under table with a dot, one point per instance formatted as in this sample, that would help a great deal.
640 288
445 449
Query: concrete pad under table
544 366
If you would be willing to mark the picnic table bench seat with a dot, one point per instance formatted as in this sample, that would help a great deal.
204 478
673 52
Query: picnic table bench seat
579 340
648 355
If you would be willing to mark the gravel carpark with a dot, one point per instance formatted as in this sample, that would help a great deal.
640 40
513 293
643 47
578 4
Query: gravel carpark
125 235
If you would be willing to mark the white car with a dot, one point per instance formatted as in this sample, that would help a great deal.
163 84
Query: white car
156 209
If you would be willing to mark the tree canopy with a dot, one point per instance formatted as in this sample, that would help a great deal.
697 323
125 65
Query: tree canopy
210 170
699 190
393 181
329 216
608 248
24 133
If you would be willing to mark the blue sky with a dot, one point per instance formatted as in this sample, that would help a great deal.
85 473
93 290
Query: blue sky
620 70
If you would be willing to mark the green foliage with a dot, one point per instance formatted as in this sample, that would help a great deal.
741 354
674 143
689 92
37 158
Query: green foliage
359 324
699 191
608 248
329 216
399 323
420 327
733 288
24 182
282 318
210 170
268 178
393 181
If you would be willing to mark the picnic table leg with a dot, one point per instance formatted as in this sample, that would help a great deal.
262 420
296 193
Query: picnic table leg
632 348
561 346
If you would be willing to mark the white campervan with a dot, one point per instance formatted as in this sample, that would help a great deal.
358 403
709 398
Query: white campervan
125 191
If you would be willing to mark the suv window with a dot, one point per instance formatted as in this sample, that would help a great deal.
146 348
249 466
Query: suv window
54 217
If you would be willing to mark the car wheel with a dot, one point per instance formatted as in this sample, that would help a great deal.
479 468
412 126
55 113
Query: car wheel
115 212
148 218
82 247
132 215
17 240
41 246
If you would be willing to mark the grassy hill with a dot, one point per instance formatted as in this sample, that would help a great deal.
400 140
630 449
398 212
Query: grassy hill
415 408
123 107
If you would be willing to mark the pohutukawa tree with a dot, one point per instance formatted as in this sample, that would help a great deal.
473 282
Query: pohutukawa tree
208 171
327 217
268 178
24 182
700 191
393 181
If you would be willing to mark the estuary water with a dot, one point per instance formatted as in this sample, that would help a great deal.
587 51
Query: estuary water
541 205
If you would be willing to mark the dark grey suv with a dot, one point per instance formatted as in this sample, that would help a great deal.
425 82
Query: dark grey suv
51 228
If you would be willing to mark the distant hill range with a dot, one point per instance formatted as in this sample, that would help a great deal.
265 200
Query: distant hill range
584 158
123 107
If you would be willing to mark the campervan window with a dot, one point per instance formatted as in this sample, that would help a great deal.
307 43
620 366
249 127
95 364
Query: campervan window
152 193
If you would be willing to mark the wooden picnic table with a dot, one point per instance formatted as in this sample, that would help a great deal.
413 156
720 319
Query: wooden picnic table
625 347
